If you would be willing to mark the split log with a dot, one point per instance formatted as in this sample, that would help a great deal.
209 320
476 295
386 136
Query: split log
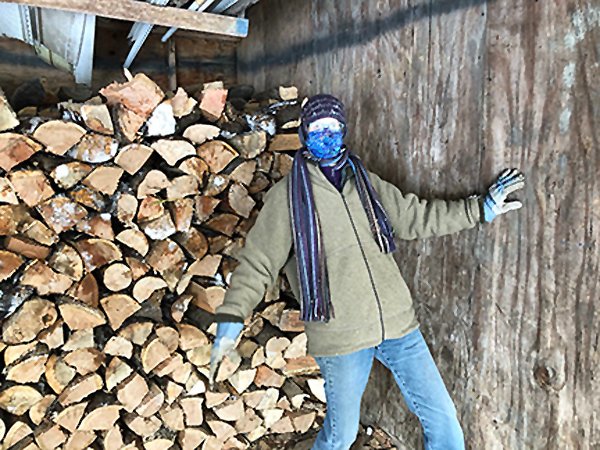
132 391
61 214
97 252
28 369
182 213
118 346
239 201
30 318
7 192
191 438
248 422
86 291
230 411
31 186
113 439
192 408
80 440
173 151
181 187
21 246
212 102
79 339
97 118
182 103
137 332
288 92
8 121
151 403
134 239
153 353
49 436
127 206
94 148
58 136
102 418
117 277
118 308
145 287
244 173
70 416
132 157
79 316
196 167
116 372
16 433
14 352
97 225
207 298
303 422
36 413
91 198
266 376
162 121
140 95
45 280
80 389
141 426
215 184
58 374
67 175
66 261
85 360
200 133
217 154
317 388
251 144
9 263
154 182
19 399
15 149
104 179
172 417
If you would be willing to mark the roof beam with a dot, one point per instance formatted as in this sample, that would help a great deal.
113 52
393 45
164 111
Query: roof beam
139 11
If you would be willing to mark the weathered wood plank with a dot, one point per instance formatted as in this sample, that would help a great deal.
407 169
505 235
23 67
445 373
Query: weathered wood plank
440 96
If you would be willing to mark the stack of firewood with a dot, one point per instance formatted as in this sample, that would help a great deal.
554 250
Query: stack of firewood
120 218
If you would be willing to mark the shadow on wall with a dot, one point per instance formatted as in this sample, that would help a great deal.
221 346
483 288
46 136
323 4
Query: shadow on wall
351 34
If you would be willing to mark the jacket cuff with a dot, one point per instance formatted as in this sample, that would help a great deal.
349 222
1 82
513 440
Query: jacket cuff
481 209
474 209
224 317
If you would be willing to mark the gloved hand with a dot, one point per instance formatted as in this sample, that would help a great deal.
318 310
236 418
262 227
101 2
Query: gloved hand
227 334
494 203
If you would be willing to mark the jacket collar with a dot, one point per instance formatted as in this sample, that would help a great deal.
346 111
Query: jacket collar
317 177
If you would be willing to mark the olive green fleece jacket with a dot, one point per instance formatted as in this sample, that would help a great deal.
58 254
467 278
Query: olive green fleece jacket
370 298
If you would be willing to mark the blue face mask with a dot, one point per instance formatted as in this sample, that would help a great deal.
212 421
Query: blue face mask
324 144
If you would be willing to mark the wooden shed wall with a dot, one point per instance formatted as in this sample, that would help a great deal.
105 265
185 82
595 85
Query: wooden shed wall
441 95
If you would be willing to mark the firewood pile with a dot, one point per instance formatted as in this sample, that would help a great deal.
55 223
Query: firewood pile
120 218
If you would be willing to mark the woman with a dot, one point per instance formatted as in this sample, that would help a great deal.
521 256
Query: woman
331 224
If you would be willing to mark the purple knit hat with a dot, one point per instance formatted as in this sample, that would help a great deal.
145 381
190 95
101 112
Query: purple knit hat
318 107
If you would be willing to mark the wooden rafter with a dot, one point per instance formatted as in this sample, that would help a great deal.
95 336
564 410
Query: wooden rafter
138 11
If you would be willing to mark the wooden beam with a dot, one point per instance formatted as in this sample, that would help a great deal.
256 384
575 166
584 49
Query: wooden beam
139 11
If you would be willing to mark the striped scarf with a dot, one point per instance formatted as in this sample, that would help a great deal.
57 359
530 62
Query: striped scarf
315 302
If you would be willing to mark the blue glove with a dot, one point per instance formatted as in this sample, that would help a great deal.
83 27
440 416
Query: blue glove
227 334
494 203
230 330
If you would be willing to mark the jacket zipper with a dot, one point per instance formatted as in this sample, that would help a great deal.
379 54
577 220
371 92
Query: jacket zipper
368 268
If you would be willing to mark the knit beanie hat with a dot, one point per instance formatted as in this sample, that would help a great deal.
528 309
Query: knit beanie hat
318 107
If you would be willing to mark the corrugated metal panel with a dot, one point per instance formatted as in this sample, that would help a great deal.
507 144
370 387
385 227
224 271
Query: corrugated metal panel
63 39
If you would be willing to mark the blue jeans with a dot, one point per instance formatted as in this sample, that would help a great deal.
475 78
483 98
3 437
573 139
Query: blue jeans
414 369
